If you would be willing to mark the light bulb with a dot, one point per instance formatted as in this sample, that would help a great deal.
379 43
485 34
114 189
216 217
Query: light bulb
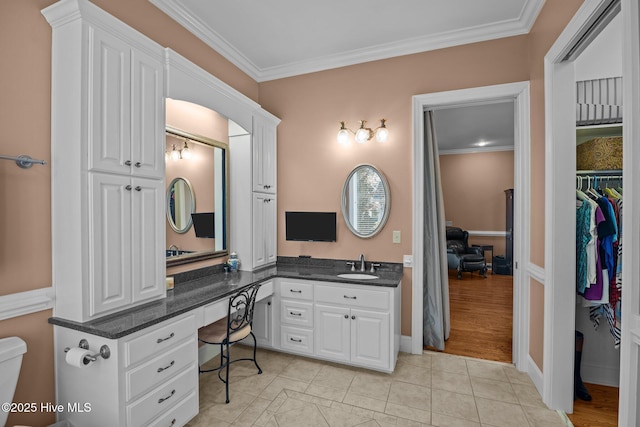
175 154
382 134
185 153
343 136
362 135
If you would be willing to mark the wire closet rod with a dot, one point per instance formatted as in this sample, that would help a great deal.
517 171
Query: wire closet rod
23 161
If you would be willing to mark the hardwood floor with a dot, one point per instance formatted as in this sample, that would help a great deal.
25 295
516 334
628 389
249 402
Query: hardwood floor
481 316
481 327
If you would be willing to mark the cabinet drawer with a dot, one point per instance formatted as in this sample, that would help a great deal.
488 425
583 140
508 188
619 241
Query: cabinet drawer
353 296
161 368
296 290
180 414
299 340
158 340
163 398
296 313
265 290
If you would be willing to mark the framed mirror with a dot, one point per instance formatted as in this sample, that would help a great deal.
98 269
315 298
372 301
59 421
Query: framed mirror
194 165
181 203
366 201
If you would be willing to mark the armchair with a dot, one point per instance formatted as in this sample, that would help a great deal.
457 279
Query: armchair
461 256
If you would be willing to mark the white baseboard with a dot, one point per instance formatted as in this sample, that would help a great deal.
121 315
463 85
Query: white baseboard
602 375
22 303
405 343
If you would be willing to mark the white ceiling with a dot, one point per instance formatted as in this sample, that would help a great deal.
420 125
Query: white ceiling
271 39
460 129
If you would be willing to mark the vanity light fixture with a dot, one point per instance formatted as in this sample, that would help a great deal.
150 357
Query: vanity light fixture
185 153
175 154
364 134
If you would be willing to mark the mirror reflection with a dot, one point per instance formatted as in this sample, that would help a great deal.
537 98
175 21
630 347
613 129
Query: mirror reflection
195 164
366 201
181 203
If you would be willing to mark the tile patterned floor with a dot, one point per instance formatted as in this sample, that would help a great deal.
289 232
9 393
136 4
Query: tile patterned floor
432 389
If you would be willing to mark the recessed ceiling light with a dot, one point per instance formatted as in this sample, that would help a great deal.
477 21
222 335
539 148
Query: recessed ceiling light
481 143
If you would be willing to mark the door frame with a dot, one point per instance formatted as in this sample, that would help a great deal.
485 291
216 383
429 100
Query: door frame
559 311
519 93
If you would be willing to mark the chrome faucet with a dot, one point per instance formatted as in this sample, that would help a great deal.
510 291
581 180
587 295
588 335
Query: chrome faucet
361 261
174 248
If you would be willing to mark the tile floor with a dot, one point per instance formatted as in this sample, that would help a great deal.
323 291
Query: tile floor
432 389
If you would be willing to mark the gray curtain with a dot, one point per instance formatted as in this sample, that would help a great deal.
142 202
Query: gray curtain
436 277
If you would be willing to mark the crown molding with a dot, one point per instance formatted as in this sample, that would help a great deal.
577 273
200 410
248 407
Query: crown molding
522 25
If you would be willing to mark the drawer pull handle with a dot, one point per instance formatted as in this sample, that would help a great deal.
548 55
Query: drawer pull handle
159 340
293 313
295 291
347 297
295 340
166 367
162 399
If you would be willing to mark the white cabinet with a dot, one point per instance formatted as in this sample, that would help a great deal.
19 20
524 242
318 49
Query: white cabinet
150 377
357 335
347 323
107 167
264 154
126 107
265 244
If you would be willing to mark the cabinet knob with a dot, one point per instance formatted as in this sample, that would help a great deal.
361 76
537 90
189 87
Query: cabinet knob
128 188
266 186
128 162
346 316
353 317
138 188
138 164
269 303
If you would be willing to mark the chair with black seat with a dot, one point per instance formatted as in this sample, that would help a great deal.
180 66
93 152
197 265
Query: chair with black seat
231 329
461 256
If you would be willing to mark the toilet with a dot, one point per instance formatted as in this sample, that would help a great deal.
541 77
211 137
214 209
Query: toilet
11 351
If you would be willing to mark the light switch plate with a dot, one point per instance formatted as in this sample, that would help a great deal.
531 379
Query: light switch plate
397 236
407 260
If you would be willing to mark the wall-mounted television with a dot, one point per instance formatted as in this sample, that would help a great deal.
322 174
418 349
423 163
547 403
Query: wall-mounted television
203 224
311 226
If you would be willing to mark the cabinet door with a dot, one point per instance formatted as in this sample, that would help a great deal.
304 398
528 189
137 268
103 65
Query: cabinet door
148 117
370 339
264 229
263 322
109 231
332 332
109 111
264 156
148 269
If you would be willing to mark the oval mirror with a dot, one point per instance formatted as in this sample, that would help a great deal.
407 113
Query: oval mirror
365 201
181 203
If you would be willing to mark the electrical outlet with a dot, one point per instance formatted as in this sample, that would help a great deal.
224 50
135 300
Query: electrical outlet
407 260
397 236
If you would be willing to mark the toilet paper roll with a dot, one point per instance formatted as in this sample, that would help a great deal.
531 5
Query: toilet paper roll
77 357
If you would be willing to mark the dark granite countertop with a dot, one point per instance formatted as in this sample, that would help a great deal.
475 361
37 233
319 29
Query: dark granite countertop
204 286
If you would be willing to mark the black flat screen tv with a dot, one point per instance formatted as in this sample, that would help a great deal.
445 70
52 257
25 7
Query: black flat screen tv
311 226
203 224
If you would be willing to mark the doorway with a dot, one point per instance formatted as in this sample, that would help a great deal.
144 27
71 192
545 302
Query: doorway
476 154
519 94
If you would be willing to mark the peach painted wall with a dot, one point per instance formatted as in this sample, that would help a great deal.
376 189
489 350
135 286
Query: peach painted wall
473 187
25 195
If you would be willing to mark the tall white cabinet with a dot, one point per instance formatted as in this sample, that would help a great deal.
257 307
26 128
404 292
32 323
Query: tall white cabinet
107 163
264 206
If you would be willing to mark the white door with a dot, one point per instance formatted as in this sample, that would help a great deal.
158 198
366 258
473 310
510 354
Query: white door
264 156
259 251
370 338
333 332
630 346
270 226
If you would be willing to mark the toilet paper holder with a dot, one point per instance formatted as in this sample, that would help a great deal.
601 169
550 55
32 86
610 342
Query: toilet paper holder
104 352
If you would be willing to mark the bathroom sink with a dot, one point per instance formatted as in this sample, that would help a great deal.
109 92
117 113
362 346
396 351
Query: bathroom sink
358 276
